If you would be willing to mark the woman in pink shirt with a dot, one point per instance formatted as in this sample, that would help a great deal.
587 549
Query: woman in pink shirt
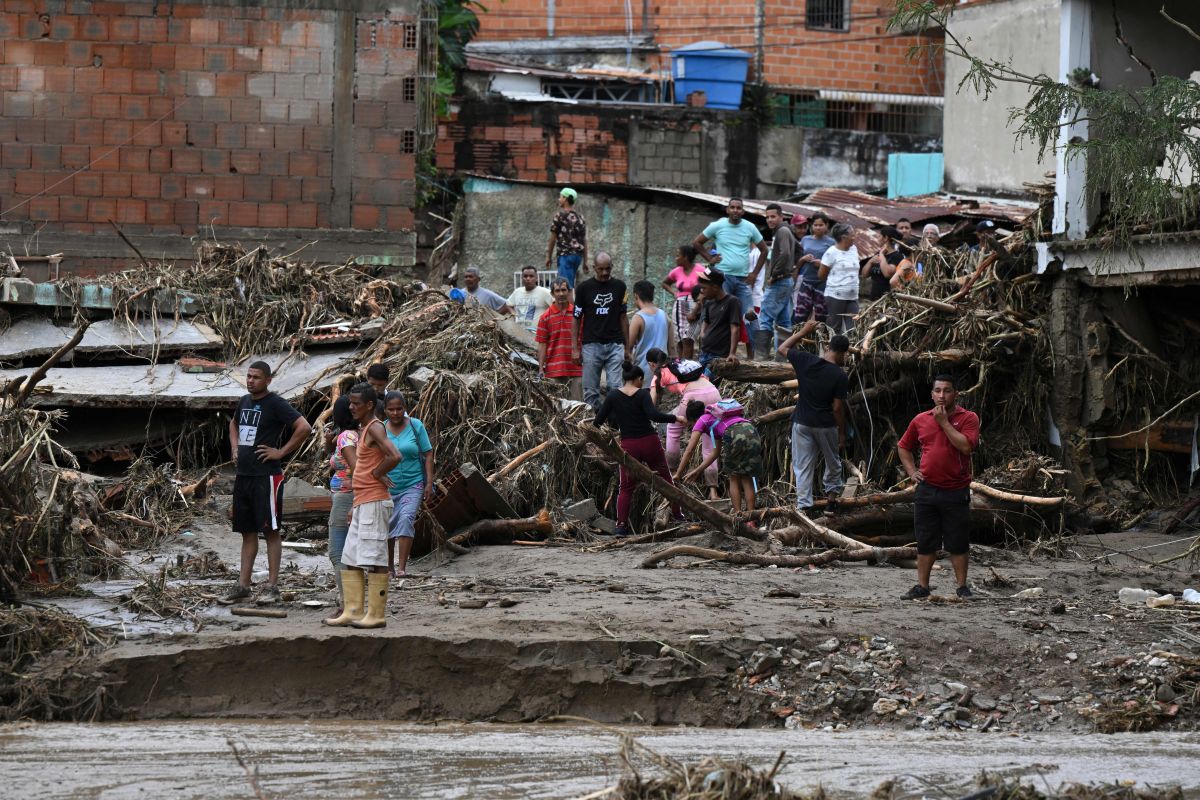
665 383
680 282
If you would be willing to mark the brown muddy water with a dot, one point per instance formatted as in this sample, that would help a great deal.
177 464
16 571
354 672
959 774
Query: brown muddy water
348 759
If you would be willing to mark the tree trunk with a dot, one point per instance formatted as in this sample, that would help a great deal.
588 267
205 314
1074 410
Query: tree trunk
860 553
719 520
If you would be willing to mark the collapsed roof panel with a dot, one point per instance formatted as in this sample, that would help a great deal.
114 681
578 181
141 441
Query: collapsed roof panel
146 338
167 386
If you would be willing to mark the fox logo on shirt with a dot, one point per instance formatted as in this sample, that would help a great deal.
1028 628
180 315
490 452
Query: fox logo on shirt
602 302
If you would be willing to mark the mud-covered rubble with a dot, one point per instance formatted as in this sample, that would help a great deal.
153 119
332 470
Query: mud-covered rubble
847 681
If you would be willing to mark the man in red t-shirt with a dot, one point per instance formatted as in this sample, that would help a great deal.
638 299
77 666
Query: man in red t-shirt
555 341
946 436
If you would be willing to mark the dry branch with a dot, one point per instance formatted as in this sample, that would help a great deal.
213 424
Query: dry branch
719 520
508 468
858 553
22 390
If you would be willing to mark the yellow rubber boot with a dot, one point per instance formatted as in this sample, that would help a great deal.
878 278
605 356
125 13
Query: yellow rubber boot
377 593
352 598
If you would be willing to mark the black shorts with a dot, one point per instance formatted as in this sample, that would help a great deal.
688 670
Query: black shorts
257 503
942 519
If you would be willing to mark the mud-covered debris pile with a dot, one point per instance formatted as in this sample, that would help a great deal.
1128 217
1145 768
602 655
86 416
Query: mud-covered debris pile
48 667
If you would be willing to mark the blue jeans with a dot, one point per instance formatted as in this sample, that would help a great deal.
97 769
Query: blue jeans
776 306
600 357
743 291
568 265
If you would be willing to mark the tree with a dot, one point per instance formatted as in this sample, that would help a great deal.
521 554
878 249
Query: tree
1142 150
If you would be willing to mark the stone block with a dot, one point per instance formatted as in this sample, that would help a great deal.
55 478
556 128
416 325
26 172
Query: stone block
582 511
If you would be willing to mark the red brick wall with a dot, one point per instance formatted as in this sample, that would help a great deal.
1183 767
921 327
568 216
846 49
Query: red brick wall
168 117
866 58
548 144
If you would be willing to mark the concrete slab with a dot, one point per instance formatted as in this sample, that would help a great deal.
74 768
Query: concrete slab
165 386
37 337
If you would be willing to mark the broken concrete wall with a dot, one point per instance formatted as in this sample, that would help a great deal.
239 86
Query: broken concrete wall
981 153
244 120
674 147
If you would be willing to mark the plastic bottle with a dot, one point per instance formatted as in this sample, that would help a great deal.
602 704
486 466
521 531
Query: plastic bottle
1131 596
1159 602
1191 596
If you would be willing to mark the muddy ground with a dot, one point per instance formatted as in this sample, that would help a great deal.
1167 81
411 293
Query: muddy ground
583 631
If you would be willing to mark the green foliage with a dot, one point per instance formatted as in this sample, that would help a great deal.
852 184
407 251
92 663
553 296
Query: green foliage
1141 145
457 25
760 102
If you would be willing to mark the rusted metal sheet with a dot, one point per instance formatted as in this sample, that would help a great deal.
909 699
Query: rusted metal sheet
93 294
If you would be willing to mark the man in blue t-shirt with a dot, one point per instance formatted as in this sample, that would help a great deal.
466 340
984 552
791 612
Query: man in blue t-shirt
734 237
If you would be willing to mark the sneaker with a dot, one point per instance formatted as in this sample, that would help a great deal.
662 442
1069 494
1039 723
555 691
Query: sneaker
622 531
964 592
917 592
267 596
238 592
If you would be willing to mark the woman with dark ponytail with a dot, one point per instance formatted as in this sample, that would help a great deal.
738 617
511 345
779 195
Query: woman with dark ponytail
633 413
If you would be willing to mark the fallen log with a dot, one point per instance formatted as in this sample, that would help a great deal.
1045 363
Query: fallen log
508 468
928 302
719 520
772 373
493 529
1010 497
1183 513
247 611
860 553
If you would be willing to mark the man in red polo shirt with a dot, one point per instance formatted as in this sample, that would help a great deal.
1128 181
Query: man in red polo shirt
946 436
555 332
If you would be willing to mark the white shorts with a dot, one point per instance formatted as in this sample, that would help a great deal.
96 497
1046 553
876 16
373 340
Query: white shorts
366 540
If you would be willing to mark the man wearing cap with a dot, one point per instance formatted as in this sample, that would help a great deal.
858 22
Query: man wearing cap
776 306
734 238
721 314
568 231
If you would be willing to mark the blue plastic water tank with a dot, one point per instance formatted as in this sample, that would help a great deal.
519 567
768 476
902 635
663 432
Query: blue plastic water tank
717 70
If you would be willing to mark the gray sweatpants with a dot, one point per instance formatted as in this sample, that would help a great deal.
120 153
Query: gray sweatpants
806 444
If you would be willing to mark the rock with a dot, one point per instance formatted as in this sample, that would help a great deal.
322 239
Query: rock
1033 591
956 688
507 602
603 523
793 722
1164 693
829 645
616 587
472 603
1047 699
813 666
582 511
1059 607
884 706
983 702
764 660
1072 657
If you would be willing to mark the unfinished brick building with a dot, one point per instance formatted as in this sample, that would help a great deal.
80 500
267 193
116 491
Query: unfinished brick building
796 46
254 120
581 91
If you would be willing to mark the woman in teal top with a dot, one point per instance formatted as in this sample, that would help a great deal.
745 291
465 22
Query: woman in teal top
412 478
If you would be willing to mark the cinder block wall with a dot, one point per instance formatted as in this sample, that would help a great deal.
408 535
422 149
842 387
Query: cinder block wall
171 117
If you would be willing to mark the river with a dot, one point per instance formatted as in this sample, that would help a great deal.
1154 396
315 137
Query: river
368 759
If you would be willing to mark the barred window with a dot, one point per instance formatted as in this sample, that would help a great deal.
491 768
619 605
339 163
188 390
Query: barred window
408 141
410 90
828 15
410 36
